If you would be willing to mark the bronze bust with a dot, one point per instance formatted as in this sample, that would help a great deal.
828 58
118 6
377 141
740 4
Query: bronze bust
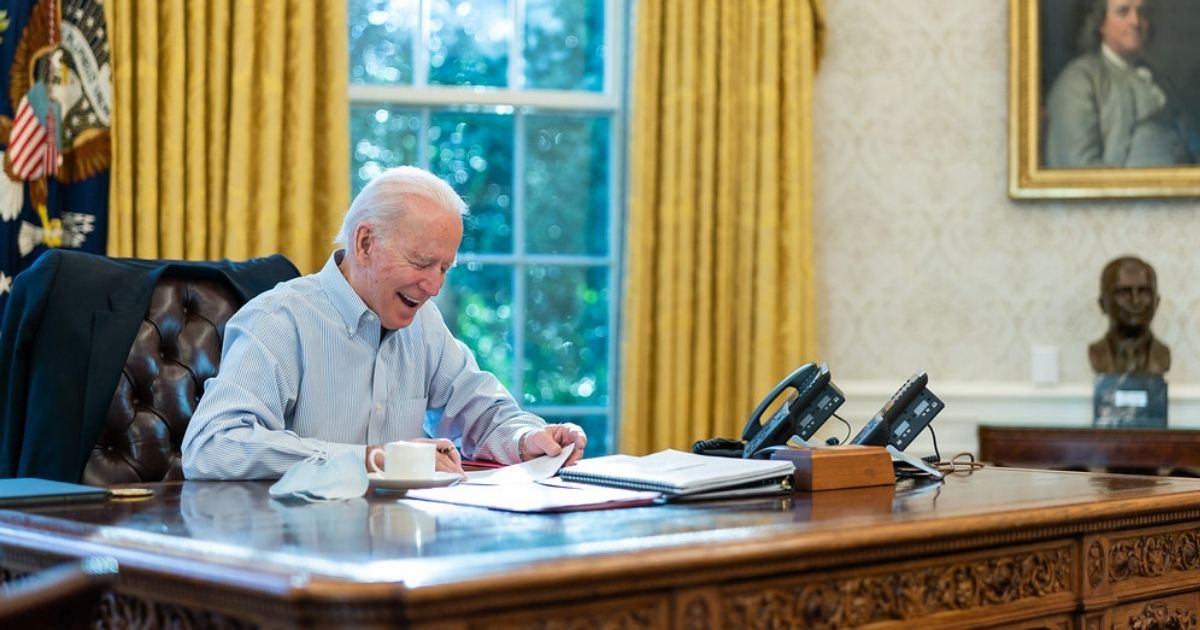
1129 297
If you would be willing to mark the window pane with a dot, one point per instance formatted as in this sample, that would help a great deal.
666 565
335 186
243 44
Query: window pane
566 184
474 152
596 428
476 303
468 42
381 137
565 179
381 40
564 44
566 335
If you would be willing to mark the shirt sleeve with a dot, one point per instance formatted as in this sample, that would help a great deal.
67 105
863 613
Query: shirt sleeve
474 404
239 429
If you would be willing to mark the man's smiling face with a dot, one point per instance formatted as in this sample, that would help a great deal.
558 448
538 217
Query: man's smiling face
1126 27
396 273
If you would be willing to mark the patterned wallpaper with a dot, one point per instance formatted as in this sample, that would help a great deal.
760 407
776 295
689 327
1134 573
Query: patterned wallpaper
922 259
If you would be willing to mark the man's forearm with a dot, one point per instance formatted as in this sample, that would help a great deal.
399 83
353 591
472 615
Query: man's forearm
246 452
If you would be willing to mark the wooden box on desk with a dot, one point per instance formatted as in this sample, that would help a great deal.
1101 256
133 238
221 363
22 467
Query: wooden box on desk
837 467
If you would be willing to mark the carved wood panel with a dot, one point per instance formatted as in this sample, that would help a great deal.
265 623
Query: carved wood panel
1054 622
697 609
992 588
8 575
964 584
1127 564
1154 556
625 614
1177 612
117 610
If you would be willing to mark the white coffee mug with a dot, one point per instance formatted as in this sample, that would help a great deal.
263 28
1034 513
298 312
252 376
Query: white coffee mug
406 460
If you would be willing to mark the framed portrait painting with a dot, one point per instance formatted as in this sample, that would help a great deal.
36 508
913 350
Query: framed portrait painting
1104 98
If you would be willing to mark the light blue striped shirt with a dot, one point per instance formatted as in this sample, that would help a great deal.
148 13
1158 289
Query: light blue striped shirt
304 372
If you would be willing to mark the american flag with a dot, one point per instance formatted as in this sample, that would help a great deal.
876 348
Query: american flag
33 146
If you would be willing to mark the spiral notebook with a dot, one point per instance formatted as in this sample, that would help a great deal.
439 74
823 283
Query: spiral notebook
680 475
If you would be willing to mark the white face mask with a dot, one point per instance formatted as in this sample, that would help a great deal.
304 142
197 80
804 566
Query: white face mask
339 477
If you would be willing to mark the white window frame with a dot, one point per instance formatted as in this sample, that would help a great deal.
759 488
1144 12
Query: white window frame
520 102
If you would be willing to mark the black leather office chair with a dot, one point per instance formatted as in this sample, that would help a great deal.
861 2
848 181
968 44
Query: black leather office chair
177 348
102 361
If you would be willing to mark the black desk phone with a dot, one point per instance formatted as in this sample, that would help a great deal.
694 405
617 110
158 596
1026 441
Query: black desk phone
813 400
903 416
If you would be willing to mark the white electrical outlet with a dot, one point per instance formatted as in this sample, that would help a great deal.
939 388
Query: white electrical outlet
1044 365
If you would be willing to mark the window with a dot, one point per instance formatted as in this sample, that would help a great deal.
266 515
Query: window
517 103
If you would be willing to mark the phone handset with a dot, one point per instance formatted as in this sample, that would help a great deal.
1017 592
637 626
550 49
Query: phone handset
813 400
903 416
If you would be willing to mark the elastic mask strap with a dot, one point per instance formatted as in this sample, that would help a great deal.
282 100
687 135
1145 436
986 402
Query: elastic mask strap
303 494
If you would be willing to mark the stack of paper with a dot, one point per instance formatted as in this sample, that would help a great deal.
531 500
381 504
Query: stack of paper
529 487
535 469
534 496
685 475
629 481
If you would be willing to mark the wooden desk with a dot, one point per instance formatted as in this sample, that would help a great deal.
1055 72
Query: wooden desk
1086 448
997 548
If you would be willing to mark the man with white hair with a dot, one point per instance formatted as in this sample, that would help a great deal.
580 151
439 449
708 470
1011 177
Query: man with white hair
353 356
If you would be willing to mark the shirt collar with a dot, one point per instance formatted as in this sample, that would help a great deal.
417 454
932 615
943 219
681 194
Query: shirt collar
1115 59
347 303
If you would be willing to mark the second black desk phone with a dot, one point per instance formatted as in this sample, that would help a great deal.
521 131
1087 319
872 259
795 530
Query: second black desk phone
903 416
813 400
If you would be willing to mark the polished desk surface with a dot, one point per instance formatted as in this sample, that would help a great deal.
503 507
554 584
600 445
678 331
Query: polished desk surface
233 534
381 538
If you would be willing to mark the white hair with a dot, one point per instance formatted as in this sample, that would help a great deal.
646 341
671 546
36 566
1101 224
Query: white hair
383 202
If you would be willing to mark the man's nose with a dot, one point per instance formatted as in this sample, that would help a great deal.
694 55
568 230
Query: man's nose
432 282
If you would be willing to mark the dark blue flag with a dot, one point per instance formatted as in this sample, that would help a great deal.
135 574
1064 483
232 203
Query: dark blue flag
55 114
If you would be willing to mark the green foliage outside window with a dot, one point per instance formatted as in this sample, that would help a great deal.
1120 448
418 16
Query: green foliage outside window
532 296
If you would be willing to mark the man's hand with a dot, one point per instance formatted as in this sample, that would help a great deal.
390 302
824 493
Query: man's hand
447 458
551 440
374 458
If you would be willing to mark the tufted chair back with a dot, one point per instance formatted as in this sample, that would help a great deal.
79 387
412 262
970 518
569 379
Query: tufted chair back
177 348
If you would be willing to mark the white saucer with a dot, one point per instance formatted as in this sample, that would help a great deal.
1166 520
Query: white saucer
439 479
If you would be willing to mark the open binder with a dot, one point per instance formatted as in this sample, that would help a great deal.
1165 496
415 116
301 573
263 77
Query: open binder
680 476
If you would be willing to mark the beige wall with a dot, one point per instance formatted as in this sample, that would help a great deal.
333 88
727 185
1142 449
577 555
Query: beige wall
923 261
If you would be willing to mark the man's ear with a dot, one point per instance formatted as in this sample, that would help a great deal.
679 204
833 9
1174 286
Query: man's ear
362 241
1100 301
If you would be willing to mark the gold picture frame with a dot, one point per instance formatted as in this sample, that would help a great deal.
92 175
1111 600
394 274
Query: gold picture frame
1028 177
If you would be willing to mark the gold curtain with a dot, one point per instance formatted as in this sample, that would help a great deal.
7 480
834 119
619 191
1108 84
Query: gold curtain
719 286
231 128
